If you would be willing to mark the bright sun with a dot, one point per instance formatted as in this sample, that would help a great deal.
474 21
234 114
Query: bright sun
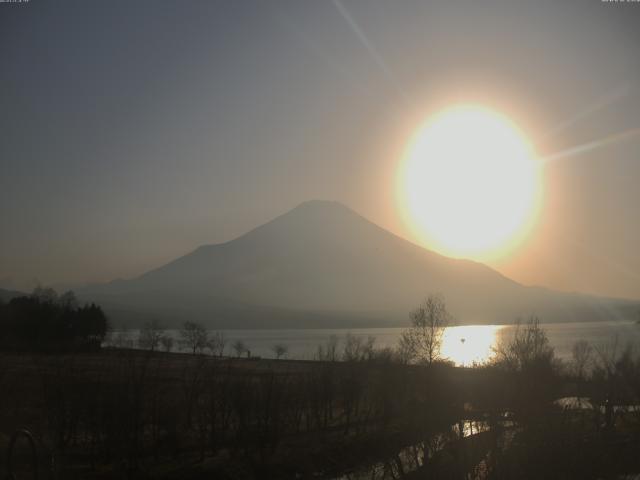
469 184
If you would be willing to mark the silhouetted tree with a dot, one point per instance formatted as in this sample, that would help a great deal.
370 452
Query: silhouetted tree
528 349
615 380
423 339
122 338
239 347
194 337
528 358
150 335
353 348
216 344
167 343
329 351
358 349
581 354
280 349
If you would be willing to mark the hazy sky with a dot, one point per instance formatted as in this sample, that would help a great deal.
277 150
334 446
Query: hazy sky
132 132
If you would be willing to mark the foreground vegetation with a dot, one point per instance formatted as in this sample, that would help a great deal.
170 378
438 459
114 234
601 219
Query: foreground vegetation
356 412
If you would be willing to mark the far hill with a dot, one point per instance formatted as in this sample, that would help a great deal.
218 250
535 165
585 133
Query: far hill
323 265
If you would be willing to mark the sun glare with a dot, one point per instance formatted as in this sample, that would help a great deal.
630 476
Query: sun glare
469 184
470 344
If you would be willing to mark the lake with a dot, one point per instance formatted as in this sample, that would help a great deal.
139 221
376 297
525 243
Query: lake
463 345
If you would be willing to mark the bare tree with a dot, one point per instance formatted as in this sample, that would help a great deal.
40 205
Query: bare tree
239 347
615 379
369 348
423 340
167 343
121 338
150 335
329 351
405 351
357 349
529 347
280 350
353 348
216 344
581 353
194 337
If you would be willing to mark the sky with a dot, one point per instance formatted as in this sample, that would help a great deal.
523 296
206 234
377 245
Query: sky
133 132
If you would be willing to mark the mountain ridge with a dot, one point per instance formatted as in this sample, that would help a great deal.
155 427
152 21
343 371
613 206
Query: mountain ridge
322 258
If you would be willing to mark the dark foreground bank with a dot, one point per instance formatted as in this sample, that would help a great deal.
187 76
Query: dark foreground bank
135 414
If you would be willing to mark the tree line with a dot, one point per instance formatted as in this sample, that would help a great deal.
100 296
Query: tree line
420 343
46 321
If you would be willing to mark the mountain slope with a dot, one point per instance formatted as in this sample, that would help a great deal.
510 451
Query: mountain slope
321 264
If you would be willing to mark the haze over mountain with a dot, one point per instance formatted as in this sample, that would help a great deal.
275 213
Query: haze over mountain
323 265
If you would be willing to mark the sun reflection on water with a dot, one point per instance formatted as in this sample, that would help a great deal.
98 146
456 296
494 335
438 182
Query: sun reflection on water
468 344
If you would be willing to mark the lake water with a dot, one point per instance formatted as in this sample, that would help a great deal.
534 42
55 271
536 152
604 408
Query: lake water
464 345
